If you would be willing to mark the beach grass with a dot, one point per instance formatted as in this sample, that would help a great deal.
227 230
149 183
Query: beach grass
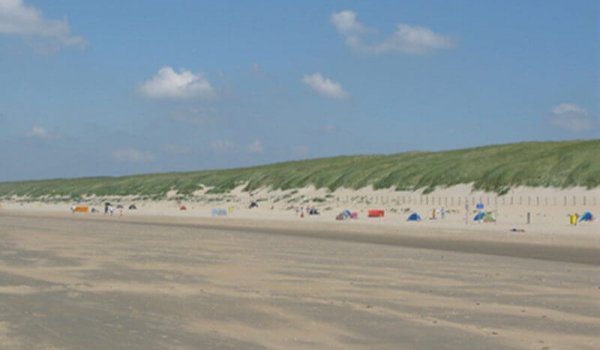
492 168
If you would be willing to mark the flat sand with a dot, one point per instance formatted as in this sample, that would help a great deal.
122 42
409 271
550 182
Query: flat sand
534 210
140 282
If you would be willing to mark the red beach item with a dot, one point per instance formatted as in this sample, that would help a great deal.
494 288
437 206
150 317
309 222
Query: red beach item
376 213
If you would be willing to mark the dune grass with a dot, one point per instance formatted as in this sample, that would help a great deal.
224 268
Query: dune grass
491 168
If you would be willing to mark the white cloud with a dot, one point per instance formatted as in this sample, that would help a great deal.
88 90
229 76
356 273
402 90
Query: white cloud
571 117
17 18
255 146
41 133
169 84
406 39
132 155
413 40
222 146
568 108
325 86
345 22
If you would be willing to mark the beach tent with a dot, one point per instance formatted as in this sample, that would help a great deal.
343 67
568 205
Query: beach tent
346 214
485 217
218 212
479 216
414 217
587 216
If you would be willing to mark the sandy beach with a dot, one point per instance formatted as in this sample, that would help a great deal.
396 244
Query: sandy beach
153 282
532 210
402 175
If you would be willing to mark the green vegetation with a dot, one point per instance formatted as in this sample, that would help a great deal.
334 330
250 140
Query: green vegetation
491 168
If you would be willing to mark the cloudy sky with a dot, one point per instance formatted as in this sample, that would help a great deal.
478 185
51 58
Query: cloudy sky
121 87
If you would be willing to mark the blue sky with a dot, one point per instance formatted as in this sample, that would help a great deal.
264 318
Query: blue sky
121 87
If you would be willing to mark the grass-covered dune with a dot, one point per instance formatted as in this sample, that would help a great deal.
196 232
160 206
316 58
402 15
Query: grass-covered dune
491 168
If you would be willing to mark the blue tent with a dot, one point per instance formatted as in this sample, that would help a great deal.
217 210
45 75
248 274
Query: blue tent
587 216
479 216
218 212
414 217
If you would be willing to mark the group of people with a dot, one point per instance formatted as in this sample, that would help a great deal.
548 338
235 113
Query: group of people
309 211
108 209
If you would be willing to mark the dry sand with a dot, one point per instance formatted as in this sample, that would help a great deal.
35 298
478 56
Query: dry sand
548 209
157 282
